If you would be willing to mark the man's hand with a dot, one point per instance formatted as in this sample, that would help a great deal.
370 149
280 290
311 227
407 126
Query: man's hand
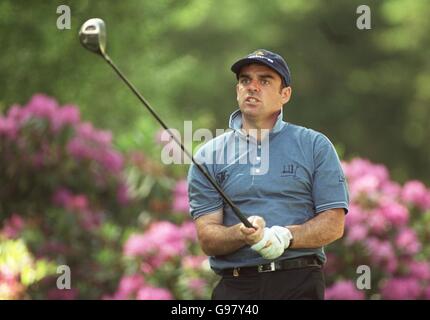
253 235
274 242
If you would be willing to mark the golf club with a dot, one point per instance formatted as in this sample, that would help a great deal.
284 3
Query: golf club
92 36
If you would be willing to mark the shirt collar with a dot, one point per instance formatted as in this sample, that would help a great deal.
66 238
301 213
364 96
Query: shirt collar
235 122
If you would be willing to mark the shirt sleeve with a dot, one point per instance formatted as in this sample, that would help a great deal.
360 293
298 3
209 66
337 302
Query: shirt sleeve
204 198
330 189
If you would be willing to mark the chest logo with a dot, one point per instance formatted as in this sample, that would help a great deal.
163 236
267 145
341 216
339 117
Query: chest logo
288 170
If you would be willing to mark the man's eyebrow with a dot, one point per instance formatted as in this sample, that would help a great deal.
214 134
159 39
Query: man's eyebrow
266 76
261 76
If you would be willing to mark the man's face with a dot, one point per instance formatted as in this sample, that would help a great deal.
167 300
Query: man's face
259 92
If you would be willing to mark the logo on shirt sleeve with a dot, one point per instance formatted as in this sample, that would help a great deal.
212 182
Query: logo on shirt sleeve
222 176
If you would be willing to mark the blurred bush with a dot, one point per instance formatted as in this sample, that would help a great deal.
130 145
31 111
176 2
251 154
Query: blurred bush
387 229
69 198
120 220
63 194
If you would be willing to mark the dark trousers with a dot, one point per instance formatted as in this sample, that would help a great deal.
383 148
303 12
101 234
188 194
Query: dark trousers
295 284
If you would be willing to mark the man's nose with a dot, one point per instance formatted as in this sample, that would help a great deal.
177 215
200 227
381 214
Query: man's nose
254 85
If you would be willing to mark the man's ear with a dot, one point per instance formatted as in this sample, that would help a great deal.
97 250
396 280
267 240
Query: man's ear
286 94
237 92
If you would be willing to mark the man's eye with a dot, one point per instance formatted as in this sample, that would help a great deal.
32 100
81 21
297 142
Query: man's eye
244 81
265 82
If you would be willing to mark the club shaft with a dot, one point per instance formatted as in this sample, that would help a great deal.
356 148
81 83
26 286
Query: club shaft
235 209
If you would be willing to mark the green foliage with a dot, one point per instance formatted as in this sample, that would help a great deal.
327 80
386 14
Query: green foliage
361 88
20 269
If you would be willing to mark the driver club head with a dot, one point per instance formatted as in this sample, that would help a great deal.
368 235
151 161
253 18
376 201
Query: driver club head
93 35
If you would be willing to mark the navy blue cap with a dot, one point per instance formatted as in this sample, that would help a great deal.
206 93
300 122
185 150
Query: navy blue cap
268 58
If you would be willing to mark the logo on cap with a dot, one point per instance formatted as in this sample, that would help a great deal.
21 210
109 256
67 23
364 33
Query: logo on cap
260 54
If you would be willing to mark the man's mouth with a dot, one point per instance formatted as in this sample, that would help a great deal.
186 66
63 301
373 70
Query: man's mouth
252 100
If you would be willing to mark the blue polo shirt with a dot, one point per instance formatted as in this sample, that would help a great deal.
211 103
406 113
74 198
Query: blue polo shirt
303 178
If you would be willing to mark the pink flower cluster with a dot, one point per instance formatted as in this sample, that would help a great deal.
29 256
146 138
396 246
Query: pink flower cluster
87 143
12 226
415 192
79 204
162 242
344 290
402 289
10 286
381 220
92 144
372 181
42 107
135 287
180 197
193 262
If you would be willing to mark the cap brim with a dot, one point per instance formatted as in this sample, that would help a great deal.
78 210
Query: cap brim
245 61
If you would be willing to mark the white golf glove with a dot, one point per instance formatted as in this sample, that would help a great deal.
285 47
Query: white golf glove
274 242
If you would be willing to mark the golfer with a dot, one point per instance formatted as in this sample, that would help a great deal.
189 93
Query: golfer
297 205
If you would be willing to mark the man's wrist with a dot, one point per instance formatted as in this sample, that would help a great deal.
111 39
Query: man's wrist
291 240
284 234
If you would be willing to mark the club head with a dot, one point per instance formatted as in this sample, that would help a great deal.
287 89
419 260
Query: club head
93 35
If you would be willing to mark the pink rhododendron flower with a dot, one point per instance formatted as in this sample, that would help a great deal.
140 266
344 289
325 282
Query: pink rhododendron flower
42 106
162 137
160 243
146 268
356 215
392 189
153 293
180 203
8 128
419 270
10 286
344 290
356 233
189 231
67 115
359 168
136 245
197 286
401 289
366 184
427 293
377 222
180 197
123 195
129 285
395 213
416 193
111 160
13 226
193 262
78 202
407 241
